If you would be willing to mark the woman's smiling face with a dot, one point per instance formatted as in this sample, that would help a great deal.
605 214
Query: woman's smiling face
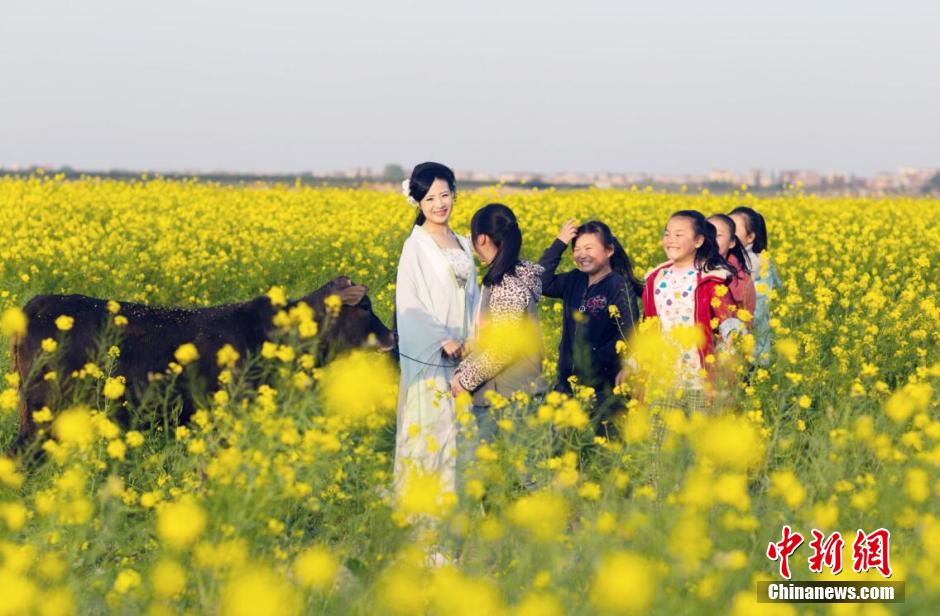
438 203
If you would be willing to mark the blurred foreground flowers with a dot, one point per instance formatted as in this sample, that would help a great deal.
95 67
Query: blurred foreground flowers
277 498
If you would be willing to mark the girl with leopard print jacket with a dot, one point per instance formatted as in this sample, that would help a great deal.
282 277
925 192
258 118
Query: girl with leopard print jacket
509 308
507 354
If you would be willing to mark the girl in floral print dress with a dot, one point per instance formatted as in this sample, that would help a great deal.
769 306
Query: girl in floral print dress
692 289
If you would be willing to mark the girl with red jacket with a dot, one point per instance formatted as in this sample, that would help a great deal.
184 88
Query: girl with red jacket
692 289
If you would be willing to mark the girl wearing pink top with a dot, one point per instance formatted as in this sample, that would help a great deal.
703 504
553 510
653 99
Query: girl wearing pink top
742 285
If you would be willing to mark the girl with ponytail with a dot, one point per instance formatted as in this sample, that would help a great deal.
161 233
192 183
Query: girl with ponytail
506 354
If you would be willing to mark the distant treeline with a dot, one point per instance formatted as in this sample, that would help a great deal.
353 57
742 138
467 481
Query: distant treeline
388 179
304 179
310 179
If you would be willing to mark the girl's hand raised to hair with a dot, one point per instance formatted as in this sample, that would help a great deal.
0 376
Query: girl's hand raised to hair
568 231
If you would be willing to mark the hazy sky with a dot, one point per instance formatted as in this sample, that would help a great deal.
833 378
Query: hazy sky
279 85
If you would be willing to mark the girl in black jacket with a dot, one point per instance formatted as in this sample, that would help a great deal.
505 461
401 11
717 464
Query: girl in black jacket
600 308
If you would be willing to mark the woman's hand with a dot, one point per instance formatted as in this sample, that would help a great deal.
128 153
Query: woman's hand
455 387
568 231
452 349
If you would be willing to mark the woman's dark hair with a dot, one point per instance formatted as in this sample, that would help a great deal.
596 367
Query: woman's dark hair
619 261
421 179
735 247
707 256
755 225
497 222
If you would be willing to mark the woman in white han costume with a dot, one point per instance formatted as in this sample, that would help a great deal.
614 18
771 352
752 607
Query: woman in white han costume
436 295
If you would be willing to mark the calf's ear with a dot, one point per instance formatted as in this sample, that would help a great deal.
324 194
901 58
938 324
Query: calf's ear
351 296
342 282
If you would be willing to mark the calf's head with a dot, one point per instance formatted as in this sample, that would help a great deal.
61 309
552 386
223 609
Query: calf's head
355 325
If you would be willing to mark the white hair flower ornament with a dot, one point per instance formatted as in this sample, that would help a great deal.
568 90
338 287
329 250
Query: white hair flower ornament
406 190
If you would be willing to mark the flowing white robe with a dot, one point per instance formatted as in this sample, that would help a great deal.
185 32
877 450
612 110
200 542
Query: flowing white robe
431 308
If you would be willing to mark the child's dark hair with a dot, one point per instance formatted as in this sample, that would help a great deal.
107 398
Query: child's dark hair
755 225
707 256
735 248
619 261
497 222
422 176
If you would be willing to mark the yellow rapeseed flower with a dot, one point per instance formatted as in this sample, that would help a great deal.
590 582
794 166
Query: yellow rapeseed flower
186 353
113 387
74 426
728 441
333 303
134 438
127 580
785 485
169 579
544 514
8 473
117 449
624 583
913 397
13 514
316 568
19 593
180 523
13 322
277 296
227 356
788 348
360 387
424 495
258 592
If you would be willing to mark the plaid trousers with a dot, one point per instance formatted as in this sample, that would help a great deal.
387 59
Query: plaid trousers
687 400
